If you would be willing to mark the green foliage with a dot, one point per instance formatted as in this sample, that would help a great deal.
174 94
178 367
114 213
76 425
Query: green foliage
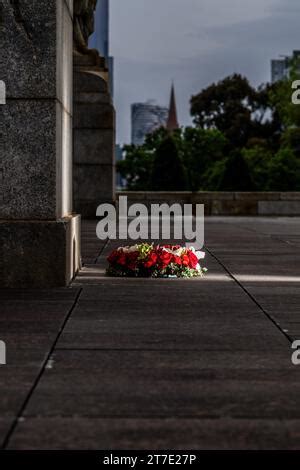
234 108
284 172
168 171
245 139
280 99
236 176
214 176
136 167
291 139
203 149
273 172
258 160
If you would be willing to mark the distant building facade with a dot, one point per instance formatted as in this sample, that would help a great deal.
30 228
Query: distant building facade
280 68
145 119
100 38
121 182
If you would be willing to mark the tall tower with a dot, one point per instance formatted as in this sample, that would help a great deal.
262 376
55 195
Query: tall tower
100 39
172 122
145 119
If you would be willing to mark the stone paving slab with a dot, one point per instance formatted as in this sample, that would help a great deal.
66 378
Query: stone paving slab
161 363
280 300
267 265
5 424
155 433
200 319
14 311
186 385
29 323
152 340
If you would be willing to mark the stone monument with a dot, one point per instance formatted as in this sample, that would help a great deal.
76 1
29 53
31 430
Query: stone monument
39 234
94 119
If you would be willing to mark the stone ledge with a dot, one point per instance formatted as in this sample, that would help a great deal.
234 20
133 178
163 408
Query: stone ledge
225 203
290 196
279 207
256 196
89 82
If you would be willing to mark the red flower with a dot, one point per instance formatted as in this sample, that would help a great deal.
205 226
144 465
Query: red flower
159 260
113 257
165 258
175 247
185 260
122 259
132 260
177 260
151 260
193 260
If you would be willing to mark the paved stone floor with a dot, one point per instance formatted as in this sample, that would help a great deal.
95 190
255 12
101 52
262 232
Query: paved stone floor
160 364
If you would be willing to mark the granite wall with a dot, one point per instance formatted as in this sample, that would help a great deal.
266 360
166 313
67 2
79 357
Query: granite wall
36 38
94 136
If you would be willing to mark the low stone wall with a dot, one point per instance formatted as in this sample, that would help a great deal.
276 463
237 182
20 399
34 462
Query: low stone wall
225 203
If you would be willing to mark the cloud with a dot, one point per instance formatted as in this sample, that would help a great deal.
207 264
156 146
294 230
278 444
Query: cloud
285 7
196 43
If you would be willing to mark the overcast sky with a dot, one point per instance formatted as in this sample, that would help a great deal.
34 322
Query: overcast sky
194 43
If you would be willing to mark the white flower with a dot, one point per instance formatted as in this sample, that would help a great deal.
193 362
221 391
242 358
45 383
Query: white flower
200 254
133 248
129 249
174 252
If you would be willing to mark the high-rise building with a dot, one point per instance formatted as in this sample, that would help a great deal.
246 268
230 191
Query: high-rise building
145 119
121 182
100 38
280 68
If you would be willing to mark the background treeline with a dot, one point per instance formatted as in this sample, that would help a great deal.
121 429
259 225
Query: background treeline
244 139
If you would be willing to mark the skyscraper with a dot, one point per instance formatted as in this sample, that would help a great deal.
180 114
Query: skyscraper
145 119
100 39
280 68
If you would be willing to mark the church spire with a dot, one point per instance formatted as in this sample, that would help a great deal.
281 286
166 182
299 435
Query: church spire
172 123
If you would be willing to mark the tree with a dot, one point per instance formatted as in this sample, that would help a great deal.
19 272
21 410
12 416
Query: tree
258 159
291 139
236 175
202 149
154 139
280 98
235 108
284 171
136 167
168 172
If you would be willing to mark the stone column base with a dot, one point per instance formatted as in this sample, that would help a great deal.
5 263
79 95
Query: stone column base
94 137
39 254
